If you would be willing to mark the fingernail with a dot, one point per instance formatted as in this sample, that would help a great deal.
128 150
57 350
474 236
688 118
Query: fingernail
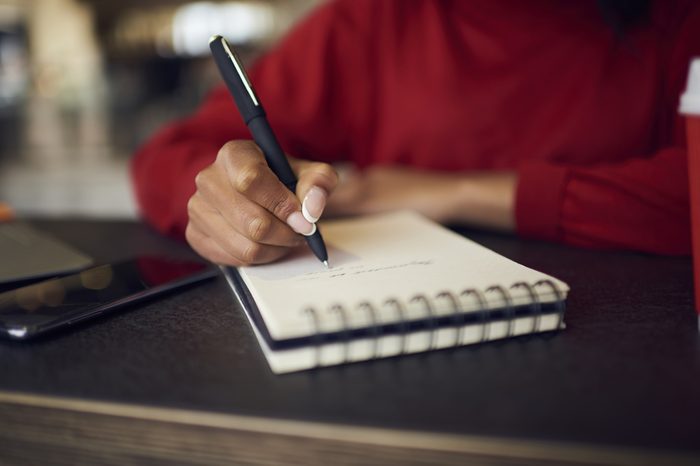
299 224
314 202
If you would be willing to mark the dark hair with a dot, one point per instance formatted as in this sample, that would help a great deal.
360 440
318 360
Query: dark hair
622 15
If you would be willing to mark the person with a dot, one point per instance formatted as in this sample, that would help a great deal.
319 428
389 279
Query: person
553 120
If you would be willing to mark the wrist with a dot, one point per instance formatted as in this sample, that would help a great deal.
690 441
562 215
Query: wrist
486 199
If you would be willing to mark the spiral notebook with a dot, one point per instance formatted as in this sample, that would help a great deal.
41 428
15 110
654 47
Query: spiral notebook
398 284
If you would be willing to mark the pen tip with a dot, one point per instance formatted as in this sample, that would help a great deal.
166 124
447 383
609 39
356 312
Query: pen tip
326 264
214 37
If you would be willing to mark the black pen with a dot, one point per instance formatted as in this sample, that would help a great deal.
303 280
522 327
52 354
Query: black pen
253 114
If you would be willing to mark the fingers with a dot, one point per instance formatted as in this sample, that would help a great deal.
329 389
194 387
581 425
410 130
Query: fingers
249 219
316 182
350 196
241 213
211 236
252 178
207 247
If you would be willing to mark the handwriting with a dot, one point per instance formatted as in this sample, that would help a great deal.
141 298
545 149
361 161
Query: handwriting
361 270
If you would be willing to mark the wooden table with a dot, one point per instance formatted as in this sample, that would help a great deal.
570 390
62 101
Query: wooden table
181 380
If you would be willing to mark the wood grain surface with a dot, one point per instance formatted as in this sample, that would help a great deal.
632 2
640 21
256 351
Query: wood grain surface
63 431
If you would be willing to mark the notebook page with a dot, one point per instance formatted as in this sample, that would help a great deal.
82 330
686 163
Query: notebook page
375 258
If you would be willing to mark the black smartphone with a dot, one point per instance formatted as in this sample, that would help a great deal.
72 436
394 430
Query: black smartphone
48 305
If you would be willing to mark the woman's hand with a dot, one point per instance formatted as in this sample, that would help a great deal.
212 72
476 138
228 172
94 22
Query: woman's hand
241 214
482 199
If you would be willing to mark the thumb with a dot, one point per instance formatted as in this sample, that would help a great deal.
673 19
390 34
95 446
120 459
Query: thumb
316 181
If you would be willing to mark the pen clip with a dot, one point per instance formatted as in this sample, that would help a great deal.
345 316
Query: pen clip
236 79
239 68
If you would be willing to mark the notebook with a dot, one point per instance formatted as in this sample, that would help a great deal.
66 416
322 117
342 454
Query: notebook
398 284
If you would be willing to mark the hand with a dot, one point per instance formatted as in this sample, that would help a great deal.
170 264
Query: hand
241 214
476 198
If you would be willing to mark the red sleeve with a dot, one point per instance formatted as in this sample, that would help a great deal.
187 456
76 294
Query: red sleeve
314 94
639 204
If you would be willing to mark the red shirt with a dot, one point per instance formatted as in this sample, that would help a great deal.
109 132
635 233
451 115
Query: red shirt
587 119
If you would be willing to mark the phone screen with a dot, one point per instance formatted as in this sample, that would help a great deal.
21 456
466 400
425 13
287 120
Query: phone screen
49 304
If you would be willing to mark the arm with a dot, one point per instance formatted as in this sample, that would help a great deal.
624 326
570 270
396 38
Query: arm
640 203
483 199
299 83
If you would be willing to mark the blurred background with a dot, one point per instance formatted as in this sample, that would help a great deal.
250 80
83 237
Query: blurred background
84 82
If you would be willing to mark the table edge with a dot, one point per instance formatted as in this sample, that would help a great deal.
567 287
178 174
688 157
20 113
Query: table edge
456 444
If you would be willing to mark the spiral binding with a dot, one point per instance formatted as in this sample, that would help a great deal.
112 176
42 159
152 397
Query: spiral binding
375 327
316 334
430 314
535 305
402 322
484 312
455 305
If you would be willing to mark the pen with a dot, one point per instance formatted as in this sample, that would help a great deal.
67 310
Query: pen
253 114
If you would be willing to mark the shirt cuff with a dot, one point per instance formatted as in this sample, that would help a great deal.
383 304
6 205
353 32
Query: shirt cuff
538 200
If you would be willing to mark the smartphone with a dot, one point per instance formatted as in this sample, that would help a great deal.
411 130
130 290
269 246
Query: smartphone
52 304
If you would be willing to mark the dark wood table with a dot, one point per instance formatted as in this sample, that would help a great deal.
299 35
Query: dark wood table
181 380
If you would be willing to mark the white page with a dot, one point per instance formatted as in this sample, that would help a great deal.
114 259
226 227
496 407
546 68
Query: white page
396 255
